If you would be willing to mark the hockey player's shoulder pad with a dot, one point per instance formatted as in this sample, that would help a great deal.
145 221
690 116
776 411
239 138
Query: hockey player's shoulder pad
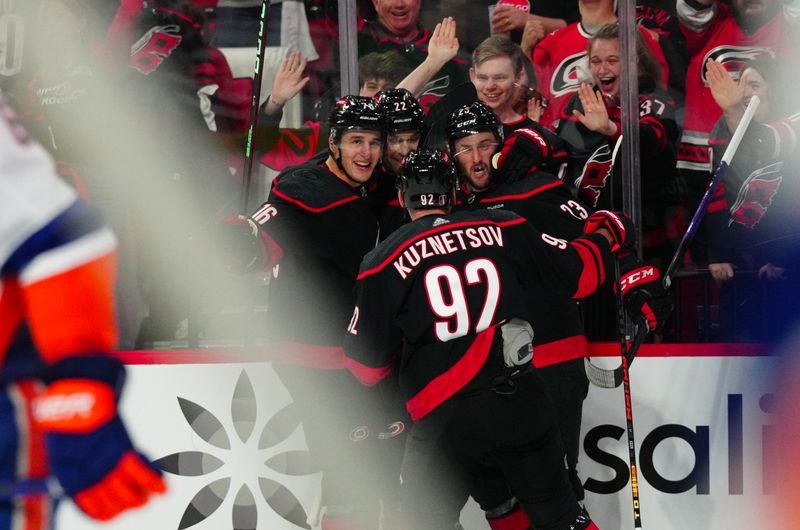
407 235
312 187
536 180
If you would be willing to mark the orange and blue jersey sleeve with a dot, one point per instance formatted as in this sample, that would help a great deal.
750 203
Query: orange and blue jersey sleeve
56 255
60 282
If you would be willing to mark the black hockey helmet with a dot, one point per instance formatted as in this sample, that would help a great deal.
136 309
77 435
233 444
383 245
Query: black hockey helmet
355 113
402 110
427 180
472 119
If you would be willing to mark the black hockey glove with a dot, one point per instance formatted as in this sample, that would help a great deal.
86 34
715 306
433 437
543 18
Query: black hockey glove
618 223
643 294
238 244
522 153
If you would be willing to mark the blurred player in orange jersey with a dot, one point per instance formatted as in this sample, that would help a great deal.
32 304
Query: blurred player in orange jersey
58 405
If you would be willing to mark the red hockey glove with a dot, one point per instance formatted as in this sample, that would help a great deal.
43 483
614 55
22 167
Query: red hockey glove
522 153
618 223
88 448
643 294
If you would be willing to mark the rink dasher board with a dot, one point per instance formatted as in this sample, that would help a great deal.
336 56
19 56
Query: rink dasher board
722 400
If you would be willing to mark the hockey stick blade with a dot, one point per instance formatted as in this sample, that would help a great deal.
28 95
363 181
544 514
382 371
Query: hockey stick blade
612 377
730 151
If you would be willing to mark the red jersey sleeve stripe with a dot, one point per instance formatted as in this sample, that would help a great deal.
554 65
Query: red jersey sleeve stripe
530 193
367 375
445 385
592 273
305 206
658 130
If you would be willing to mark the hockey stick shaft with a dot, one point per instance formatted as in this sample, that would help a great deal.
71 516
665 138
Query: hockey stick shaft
730 151
258 76
626 385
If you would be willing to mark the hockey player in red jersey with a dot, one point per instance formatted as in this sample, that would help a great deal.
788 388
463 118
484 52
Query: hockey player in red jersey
58 407
448 302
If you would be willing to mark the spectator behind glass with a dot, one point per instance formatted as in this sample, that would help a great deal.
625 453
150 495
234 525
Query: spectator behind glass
497 71
754 215
591 126
560 58
529 28
661 18
499 77
381 71
397 28
731 34
282 147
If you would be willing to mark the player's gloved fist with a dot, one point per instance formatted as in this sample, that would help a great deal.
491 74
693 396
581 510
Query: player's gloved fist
88 448
643 294
238 244
522 152
617 223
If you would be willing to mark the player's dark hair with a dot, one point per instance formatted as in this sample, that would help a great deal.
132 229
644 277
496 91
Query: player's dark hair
388 66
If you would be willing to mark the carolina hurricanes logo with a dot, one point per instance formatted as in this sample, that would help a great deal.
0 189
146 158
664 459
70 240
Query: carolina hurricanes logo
437 87
733 58
756 194
595 175
154 47
569 74
392 430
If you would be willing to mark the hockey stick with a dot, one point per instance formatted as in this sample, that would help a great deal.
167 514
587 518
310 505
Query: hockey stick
730 151
612 378
627 354
258 75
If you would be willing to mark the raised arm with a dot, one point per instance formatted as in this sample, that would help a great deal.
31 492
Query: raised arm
442 47
507 18
289 81
726 93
